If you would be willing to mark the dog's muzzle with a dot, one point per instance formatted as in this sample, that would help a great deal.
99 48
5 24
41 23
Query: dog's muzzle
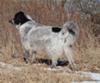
11 21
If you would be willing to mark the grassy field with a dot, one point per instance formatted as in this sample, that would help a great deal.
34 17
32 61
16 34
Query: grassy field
87 48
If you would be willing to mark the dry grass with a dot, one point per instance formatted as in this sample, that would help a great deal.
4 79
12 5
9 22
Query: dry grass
87 48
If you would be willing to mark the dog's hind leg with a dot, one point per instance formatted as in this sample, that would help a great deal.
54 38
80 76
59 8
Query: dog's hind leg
68 51
54 63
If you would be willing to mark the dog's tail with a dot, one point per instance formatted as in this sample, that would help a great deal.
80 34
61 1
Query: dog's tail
71 32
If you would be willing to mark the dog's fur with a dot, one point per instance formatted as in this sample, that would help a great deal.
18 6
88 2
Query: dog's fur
52 40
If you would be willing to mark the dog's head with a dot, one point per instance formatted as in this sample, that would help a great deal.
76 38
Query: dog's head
19 19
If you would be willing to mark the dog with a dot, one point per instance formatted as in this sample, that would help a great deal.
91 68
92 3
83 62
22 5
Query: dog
53 40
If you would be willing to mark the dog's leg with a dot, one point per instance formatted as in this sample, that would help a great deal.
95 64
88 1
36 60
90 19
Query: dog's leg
69 55
33 59
30 56
54 63
26 56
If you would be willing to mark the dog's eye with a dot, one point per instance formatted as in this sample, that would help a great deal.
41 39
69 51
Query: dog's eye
56 29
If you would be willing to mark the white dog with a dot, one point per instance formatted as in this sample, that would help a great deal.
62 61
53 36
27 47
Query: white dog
55 41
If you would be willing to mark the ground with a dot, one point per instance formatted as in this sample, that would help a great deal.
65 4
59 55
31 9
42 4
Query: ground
13 69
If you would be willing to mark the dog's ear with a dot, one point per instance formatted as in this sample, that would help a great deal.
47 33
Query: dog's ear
20 18
20 12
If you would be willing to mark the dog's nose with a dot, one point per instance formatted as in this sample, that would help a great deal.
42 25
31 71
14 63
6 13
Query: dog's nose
10 21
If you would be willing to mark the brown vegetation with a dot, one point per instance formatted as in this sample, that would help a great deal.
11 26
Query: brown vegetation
87 48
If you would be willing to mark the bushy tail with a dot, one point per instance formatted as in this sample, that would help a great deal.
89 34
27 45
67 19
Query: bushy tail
71 31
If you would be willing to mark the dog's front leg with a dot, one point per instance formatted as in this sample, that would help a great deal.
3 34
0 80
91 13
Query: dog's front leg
33 57
30 56
26 56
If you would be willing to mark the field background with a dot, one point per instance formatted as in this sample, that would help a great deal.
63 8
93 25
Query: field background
48 12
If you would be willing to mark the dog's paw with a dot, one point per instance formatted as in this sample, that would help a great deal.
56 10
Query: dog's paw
26 60
73 67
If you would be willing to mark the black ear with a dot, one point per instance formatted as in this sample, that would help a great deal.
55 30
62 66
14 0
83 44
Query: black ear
20 13
20 18
56 29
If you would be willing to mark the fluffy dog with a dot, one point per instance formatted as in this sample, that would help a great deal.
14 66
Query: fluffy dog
54 41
